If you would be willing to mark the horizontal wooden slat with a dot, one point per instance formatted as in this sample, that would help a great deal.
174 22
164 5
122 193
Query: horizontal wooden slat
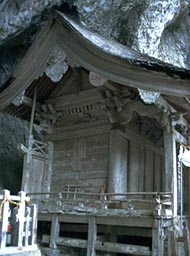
102 246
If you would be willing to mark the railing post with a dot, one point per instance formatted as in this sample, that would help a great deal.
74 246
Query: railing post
157 238
32 239
172 246
21 218
27 226
55 227
4 218
15 224
186 239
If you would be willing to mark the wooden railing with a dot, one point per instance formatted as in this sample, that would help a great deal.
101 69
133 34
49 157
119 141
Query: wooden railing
174 239
159 203
18 220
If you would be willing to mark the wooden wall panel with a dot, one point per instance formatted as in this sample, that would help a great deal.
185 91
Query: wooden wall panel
141 168
134 167
186 183
145 166
84 161
81 161
149 171
37 175
157 173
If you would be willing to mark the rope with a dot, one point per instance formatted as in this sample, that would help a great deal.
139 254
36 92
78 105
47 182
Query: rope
1 207
11 202
185 146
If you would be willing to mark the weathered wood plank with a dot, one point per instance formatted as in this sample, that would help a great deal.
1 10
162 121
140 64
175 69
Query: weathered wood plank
186 239
128 221
55 228
157 173
139 139
170 175
157 239
149 173
32 239
133 167
103 246
117 177
21 214
27 226
141 177
172 246
78 158
81 130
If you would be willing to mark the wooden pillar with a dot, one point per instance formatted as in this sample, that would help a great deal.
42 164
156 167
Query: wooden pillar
157 238
170 171
21 216
92 233
186 239
34 216
117 177
55 227
172 246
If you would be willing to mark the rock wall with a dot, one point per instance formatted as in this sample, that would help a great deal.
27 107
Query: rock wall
159 28
12 132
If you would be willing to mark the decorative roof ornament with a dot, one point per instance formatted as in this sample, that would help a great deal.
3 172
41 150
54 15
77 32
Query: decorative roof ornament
17 101
96 79
56 65
148 97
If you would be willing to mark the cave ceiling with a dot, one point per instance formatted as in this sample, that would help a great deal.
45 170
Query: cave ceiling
157 28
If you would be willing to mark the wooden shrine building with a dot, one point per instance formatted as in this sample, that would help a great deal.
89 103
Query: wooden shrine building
107 127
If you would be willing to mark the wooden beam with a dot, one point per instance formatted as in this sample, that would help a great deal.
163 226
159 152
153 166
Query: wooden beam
170 175
172 246
55 227
157 239
127 221
102 246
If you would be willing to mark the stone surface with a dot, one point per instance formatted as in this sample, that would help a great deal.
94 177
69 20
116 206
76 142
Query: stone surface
10 127
159 28
18 15
12 132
